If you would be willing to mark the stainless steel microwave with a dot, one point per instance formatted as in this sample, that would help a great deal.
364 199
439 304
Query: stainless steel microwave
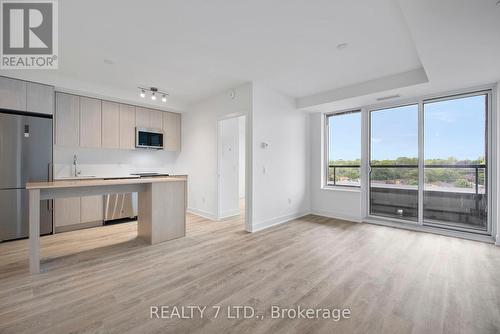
149 138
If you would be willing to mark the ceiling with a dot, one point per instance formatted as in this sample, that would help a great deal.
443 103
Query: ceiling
196 48
457 42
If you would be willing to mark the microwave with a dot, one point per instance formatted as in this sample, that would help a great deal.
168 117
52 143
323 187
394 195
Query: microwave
149 138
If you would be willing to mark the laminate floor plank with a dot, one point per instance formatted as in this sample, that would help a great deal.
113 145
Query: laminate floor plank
104 280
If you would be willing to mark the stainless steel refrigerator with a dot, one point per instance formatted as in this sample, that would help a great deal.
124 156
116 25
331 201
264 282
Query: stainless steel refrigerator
25 155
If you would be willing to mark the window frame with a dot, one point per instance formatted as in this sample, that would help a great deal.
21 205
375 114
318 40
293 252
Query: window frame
493 162
326 147
368 159
488 93
492 189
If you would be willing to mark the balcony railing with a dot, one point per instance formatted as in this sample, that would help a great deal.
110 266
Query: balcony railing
333 181
444 201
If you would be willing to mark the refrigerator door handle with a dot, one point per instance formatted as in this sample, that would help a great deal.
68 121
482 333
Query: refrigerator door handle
49 178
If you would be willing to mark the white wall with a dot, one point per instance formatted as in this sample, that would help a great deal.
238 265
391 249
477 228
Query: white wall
228 165
198 157
280 171
342 204
241 152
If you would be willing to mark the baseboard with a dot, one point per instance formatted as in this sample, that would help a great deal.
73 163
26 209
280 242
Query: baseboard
74 227
277 221
230 214
201 213
335 215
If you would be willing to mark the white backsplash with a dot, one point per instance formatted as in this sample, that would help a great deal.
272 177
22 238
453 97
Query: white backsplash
112 163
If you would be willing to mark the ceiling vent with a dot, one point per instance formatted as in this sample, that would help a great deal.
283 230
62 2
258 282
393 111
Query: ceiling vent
390 97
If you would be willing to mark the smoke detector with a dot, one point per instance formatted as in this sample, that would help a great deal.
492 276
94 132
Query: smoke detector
342 46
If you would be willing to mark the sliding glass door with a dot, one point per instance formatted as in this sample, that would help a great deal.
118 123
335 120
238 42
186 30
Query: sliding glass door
455 151
394 162
431 172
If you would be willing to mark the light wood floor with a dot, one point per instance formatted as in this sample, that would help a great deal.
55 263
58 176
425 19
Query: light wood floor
394 281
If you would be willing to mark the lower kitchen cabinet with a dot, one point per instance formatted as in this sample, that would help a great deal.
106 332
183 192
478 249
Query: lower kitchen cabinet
77 213
91 209
66 213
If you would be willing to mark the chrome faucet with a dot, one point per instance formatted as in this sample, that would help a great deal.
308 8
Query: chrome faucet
75 166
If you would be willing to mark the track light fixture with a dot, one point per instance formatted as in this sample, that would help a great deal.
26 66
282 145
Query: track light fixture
153 91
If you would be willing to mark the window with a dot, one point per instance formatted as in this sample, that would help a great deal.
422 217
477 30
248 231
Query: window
455 154
427 161
343 149
447 188
394 162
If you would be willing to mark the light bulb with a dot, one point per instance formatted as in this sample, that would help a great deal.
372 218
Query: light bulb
164 98
143 93
153 96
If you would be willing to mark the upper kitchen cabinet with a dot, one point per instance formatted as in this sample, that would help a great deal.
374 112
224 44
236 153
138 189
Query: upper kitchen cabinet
12 94
110 125
39 98
127 127
171 131
26 96
142 117
148 118
67 120
93 123
90 122
156 119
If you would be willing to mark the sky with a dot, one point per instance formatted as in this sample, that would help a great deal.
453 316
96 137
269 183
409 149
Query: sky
452 128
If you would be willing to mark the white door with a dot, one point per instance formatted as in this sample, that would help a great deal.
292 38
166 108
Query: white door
228 167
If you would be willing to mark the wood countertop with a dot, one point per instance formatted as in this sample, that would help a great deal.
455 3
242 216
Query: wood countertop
101 182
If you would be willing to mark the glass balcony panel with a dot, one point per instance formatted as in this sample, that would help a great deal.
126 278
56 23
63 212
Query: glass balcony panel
455 132
456 196
394 192
343 176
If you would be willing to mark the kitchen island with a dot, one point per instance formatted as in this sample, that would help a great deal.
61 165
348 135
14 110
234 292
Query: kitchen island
162 206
